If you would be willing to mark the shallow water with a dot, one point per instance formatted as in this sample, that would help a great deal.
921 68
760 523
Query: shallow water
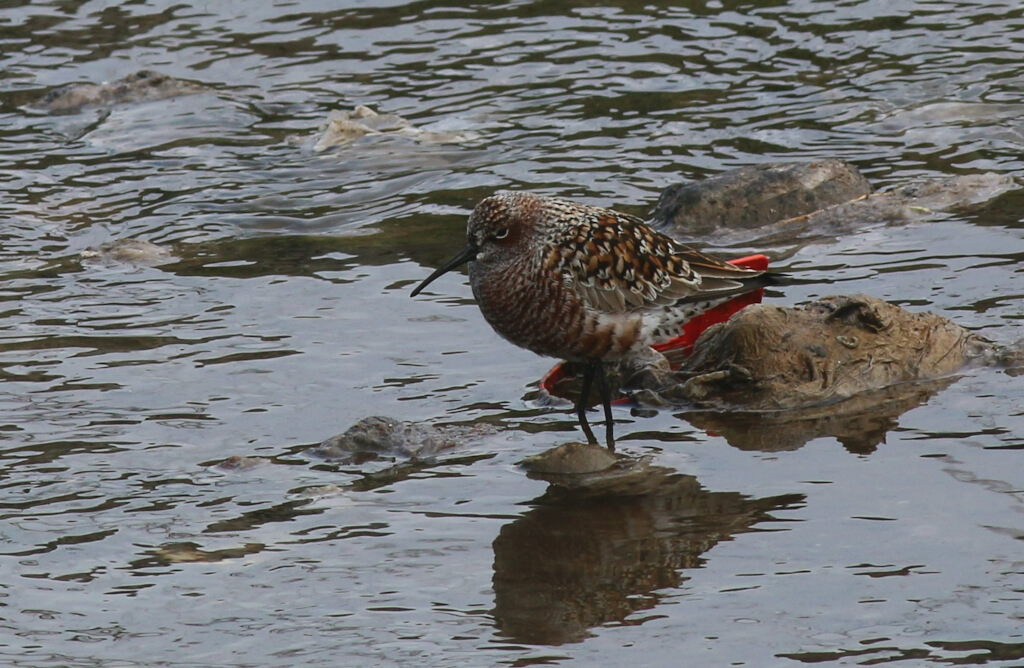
286 318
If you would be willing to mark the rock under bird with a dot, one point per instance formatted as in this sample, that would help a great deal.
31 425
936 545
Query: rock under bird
585 284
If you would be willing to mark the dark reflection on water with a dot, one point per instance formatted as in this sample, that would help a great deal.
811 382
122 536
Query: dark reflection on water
962 653
859 423
579 560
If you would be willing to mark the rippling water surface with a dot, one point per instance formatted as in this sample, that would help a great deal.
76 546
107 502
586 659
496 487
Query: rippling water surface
285 317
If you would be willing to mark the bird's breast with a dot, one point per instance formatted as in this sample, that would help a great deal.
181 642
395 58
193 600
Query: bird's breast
539 310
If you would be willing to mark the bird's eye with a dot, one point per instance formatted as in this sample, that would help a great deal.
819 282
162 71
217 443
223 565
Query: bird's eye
501 234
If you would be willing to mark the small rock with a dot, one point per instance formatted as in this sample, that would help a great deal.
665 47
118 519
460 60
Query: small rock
377 437
240 463
321 491
129 251
782 202
589 469
758 195
142 86
571 458
344 127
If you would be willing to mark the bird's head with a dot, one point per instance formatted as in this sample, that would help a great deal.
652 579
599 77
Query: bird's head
497 228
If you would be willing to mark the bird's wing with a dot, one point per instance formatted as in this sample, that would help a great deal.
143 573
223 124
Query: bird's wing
617 264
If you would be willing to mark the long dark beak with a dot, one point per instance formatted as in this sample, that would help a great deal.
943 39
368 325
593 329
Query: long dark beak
465 255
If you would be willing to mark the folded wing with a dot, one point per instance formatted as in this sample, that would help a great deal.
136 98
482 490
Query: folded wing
619 264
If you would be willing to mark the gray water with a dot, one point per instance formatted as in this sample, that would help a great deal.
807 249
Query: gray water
286 318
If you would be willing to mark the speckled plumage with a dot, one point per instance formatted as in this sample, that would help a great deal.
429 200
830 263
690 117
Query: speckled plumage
585 283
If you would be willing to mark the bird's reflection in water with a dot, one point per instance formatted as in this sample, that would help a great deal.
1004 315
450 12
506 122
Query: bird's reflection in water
597 553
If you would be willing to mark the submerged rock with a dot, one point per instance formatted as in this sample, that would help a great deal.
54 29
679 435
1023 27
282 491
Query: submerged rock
344 127
376 437
781 202
189 552
237 463
142 86
129 251
910 202
752 197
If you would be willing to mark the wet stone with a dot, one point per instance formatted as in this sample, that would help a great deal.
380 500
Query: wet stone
754 196
1010 357
344 127
571 458
591 470
377 437
189 552
141 86
237 463
129 251
782 202
914 201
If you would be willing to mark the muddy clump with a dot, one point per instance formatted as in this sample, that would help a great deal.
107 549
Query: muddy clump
771 357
